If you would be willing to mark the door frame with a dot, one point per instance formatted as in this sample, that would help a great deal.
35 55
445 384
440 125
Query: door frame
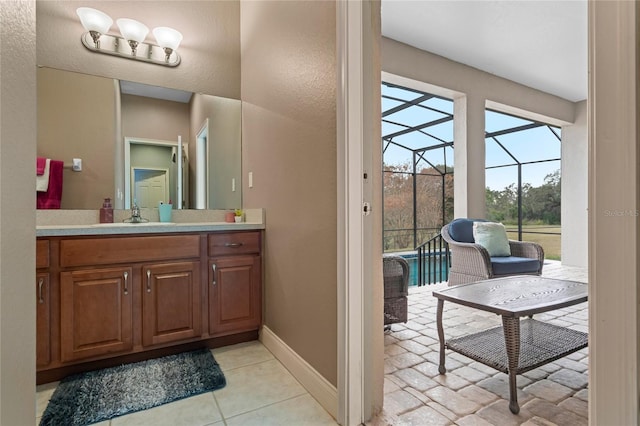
128 141
202 184
351 227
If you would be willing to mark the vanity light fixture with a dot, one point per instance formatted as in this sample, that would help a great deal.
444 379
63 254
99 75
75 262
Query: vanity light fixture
130 44
133 31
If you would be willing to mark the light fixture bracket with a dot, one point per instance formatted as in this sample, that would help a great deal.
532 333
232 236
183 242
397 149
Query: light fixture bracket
118 46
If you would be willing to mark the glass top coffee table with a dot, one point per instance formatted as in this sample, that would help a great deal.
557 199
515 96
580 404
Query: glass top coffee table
517 346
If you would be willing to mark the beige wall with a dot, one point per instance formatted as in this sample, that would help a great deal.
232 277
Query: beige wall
17 212
210 49
72 124
575 180
151 118
289 140
224 148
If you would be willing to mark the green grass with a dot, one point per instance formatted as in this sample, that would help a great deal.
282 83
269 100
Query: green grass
550 243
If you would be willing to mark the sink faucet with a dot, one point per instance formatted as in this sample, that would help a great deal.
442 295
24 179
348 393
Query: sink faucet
135 214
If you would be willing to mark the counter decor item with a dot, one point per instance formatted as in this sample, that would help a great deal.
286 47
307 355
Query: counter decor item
229 217
106 211
238 215
164 210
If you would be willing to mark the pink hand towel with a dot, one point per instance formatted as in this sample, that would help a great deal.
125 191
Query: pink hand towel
40 162
51 199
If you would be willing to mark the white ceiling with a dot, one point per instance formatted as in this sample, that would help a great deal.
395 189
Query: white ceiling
541 44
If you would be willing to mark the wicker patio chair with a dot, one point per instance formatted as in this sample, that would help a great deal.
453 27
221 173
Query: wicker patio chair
395 271
471 262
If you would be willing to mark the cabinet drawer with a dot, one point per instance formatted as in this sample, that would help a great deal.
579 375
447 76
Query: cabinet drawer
105 251
234 243
42 253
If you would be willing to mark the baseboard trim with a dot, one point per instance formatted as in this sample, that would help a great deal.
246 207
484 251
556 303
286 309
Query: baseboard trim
318 387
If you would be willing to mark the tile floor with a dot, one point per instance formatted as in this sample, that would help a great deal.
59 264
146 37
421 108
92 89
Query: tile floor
259 391
471 393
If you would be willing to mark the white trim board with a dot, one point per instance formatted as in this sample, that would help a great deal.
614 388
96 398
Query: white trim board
318 387
351 229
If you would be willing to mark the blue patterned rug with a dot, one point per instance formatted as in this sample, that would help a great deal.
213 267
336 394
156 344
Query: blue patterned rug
99 395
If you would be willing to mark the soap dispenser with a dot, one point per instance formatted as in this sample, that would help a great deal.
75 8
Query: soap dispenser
106 212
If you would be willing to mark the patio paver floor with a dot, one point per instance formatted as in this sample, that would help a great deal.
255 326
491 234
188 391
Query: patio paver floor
471 393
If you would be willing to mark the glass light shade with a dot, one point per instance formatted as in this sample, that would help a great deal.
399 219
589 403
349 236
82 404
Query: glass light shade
132 29
167 37
94 20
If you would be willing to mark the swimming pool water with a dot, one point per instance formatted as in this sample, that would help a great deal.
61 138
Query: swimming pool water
412 260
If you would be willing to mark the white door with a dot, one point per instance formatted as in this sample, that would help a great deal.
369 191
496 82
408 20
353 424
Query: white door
150 187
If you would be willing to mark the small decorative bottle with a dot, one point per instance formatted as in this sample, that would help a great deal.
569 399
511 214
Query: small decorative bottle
106 212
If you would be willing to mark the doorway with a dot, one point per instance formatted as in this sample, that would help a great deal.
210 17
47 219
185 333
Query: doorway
155 154
151 187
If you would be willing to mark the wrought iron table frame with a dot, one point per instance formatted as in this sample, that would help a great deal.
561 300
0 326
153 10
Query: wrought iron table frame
516 347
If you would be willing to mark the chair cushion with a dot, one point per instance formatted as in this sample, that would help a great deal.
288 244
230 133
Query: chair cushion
461 229
493 237
510 265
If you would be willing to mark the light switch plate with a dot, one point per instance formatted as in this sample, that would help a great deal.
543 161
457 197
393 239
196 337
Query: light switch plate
77 165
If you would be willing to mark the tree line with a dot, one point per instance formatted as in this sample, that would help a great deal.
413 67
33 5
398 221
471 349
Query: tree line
540 205
431 209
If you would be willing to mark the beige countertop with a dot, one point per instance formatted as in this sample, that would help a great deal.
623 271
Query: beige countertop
85 222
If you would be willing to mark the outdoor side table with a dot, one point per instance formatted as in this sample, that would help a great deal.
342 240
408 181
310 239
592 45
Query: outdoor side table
518 346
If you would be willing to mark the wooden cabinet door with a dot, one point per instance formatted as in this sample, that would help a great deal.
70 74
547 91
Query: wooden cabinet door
234 294
171 302
43 320
95 312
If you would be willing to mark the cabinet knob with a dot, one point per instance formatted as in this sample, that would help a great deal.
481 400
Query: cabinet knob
148 280
126 284
213 267
40 283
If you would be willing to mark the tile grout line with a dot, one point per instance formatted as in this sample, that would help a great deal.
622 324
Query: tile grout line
224 420
266 406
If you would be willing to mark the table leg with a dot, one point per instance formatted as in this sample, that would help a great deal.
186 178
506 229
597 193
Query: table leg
511 327
441 367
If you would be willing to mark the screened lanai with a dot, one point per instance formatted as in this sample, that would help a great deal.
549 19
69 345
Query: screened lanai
522 177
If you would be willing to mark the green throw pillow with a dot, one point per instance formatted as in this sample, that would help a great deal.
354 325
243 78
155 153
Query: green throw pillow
493 237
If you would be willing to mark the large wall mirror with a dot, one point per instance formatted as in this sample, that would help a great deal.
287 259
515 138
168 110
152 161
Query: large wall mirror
132 136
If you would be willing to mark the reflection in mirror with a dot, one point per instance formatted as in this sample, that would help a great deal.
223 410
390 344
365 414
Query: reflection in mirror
202 171
89 117
158 174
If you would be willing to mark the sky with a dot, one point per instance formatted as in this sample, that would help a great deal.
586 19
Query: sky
530 145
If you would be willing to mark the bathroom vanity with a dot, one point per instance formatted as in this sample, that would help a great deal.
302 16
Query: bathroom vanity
108 295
